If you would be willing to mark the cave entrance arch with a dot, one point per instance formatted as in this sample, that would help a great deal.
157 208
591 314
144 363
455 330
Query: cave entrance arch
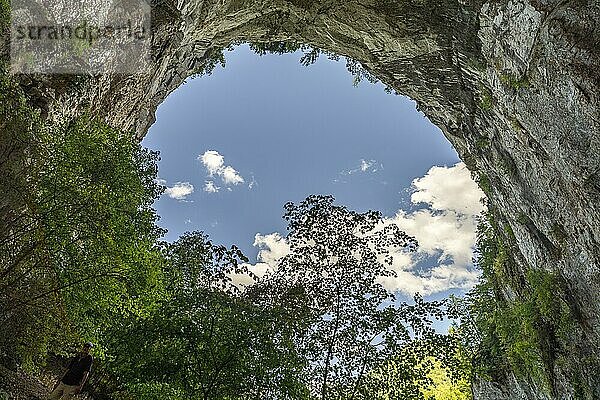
427 52
414 49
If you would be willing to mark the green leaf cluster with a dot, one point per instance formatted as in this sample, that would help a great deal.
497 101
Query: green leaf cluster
78 239
205 339
515 324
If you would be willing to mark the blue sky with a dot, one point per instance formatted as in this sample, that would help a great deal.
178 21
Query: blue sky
289 131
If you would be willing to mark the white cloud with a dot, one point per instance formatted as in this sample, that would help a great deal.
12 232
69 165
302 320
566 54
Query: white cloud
252 183
363 166
449 188
258 269
180 191
213 161
446 239
445 230
210 187
230 176
273 247
215 166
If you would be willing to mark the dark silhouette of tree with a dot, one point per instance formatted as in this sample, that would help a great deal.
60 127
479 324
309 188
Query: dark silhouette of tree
348 326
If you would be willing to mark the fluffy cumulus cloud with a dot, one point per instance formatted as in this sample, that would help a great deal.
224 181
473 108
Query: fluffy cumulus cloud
449 188
273 247
213 161
179 191
215 166
445 228
230 176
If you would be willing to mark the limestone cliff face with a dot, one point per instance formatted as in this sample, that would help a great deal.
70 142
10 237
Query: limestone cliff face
513 84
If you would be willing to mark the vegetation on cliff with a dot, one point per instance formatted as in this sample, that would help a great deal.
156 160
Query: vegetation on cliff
519 322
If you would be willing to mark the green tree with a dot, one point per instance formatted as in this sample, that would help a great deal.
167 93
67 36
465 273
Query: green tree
205 339
78 232
444 387
99 228
348 326
22 332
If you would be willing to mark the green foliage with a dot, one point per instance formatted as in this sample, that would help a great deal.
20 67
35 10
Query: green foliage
24 333
444 387
511 81
212 58
510 234
486 102
77 231
311 55
359 72
416 372
519 338
516 125
346 305
96 193
478 327
521 334
204 339
522 218
150 391
482 143
484 184
276 47
4 15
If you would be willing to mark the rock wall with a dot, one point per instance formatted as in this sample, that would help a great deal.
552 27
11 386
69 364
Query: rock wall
513 84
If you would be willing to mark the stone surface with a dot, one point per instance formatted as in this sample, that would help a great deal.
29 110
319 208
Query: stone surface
514 85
